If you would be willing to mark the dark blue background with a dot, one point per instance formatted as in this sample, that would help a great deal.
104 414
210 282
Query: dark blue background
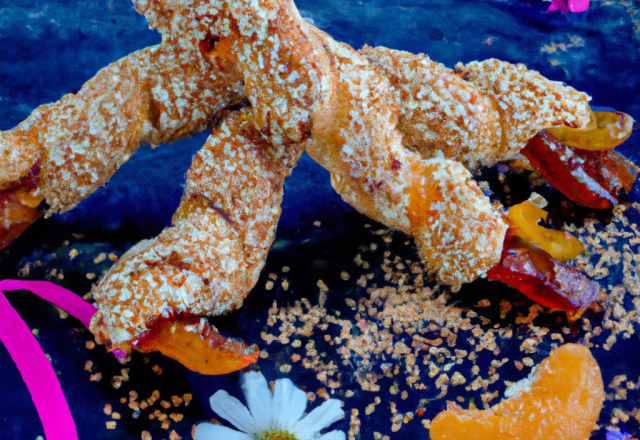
50 48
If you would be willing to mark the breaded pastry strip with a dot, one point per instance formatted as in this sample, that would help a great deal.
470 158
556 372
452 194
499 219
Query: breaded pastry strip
483 114
285 70
301 82
458 233
209 260
156 95
438 110
358 111
527 101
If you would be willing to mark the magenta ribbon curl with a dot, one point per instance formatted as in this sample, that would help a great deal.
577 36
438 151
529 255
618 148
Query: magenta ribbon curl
34 366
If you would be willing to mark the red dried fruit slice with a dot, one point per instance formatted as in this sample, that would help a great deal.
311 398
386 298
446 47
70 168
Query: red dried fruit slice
542 278
590 178
198 346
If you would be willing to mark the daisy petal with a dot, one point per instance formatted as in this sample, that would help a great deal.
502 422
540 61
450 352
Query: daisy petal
289 403
333 435
209 431
259 399
232 410
321 417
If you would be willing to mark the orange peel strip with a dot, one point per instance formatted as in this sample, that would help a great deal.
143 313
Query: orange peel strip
523 220
560 400
605 131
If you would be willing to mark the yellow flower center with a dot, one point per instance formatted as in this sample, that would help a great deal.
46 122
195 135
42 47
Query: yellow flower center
277 434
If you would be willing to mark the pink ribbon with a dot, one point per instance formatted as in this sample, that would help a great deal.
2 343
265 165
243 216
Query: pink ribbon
567 6
34 366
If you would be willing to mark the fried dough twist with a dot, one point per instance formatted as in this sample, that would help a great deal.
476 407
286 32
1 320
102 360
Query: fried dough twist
209 260
398 132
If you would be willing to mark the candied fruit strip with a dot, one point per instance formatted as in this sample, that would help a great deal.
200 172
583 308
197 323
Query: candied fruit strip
605 131
198 346
560 400
523 221
17 218
595 179
542 278
38 374
35 368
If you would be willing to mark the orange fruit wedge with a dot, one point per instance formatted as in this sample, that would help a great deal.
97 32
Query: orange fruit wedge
560 400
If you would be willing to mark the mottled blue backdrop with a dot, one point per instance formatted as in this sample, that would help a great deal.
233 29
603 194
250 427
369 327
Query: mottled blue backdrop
49 48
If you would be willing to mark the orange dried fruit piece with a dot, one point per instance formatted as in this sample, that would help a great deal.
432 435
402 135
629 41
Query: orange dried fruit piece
523 221
198 346
18 206
15 217
560 400
605 131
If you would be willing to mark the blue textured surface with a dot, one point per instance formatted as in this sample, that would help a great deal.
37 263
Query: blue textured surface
50 48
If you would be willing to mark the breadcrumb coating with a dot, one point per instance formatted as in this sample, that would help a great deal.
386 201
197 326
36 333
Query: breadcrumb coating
439 112
527 101
457 231
211 257
399 133
151 96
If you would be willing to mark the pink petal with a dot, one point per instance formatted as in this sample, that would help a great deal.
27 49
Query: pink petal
37 374
61 297
558 4
578 5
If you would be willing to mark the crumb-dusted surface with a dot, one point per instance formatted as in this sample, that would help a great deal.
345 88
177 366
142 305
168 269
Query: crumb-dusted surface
210 259
142 196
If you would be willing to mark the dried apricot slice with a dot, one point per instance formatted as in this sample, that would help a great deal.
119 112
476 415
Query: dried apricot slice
198 346
19 207
560 400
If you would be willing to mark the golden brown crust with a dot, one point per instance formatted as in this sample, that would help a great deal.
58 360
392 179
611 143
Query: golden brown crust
209 260
527 101
439 112
436 200
482 114
398 132
151 96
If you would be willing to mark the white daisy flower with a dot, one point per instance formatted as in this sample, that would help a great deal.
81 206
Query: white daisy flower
277 416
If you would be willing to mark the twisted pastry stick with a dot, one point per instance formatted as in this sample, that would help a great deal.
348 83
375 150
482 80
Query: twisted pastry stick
211 257
483 113
156 95
398 132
